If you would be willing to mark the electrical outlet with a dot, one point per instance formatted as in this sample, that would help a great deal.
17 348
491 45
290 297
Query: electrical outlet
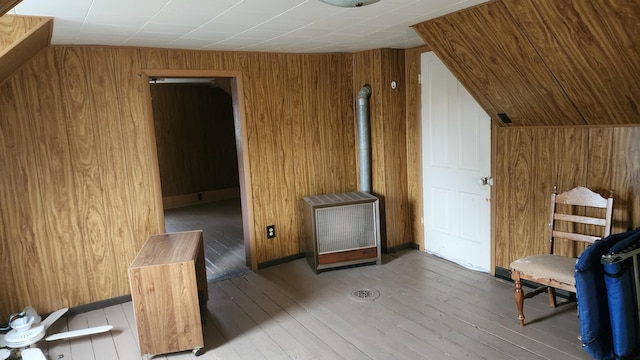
271 231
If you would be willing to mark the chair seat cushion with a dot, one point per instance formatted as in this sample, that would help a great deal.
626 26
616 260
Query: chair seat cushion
546 266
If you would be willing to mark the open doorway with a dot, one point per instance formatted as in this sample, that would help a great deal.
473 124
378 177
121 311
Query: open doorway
198 137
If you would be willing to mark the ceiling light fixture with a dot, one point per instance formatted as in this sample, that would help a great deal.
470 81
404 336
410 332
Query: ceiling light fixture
349 3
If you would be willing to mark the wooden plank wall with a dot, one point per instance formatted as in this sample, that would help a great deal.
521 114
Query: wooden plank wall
486 51
77 187
545 62
379 68
322 129
592 48
195 138
531 161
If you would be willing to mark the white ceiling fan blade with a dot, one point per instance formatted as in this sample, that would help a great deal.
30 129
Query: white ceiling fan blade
4 354
81 332
32 354
53 317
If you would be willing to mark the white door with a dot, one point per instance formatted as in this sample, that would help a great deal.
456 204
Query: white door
456 156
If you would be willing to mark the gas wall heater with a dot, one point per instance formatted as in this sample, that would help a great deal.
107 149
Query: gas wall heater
342 229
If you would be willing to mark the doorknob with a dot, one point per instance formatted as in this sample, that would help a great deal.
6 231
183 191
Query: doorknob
486 181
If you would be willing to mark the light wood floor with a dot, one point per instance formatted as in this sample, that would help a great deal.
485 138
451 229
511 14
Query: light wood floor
221 225
428 308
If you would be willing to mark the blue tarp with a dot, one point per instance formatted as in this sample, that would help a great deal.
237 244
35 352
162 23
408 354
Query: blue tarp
607 305
621 296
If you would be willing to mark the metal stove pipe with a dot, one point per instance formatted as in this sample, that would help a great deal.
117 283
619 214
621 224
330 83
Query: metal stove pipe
364 137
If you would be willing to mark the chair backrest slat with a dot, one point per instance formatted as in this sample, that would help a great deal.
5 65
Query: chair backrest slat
581 219
576 218
575 237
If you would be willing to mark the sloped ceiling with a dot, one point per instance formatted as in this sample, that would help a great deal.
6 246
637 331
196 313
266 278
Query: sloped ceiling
545 62
21 38
6 5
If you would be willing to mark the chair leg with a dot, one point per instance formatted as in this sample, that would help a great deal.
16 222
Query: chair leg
519 296
552 297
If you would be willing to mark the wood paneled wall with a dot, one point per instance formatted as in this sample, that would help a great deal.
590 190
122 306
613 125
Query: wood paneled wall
531 161
195 137
545 62
77 186
379 68
323 130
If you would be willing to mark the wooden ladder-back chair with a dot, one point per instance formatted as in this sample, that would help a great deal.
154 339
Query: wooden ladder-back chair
582 216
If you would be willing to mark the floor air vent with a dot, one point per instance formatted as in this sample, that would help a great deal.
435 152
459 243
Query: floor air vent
364 294
342 229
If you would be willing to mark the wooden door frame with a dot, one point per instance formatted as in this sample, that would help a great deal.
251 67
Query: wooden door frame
241 143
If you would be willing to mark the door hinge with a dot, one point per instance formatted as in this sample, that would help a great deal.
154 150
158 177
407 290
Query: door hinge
420 79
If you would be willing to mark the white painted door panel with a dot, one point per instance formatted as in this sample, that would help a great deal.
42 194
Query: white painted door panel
456 153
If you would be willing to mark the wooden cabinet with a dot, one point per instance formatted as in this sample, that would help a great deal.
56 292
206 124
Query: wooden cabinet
169 293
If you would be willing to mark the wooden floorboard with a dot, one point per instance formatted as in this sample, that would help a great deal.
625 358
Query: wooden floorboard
125 342
428 308
440 327
319 338
494 319
500 311
57 349
284 344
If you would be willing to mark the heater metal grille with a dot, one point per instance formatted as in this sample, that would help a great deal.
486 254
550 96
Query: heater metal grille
347 227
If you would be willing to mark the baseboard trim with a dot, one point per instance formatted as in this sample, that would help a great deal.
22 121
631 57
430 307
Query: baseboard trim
394 249
99 305
503 273
281 260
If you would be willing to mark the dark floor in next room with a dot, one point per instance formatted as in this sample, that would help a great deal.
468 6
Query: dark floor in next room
221 223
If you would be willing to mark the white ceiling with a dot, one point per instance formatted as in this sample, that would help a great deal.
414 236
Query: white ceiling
299 26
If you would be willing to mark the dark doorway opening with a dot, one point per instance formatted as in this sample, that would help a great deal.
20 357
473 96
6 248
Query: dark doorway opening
198 165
